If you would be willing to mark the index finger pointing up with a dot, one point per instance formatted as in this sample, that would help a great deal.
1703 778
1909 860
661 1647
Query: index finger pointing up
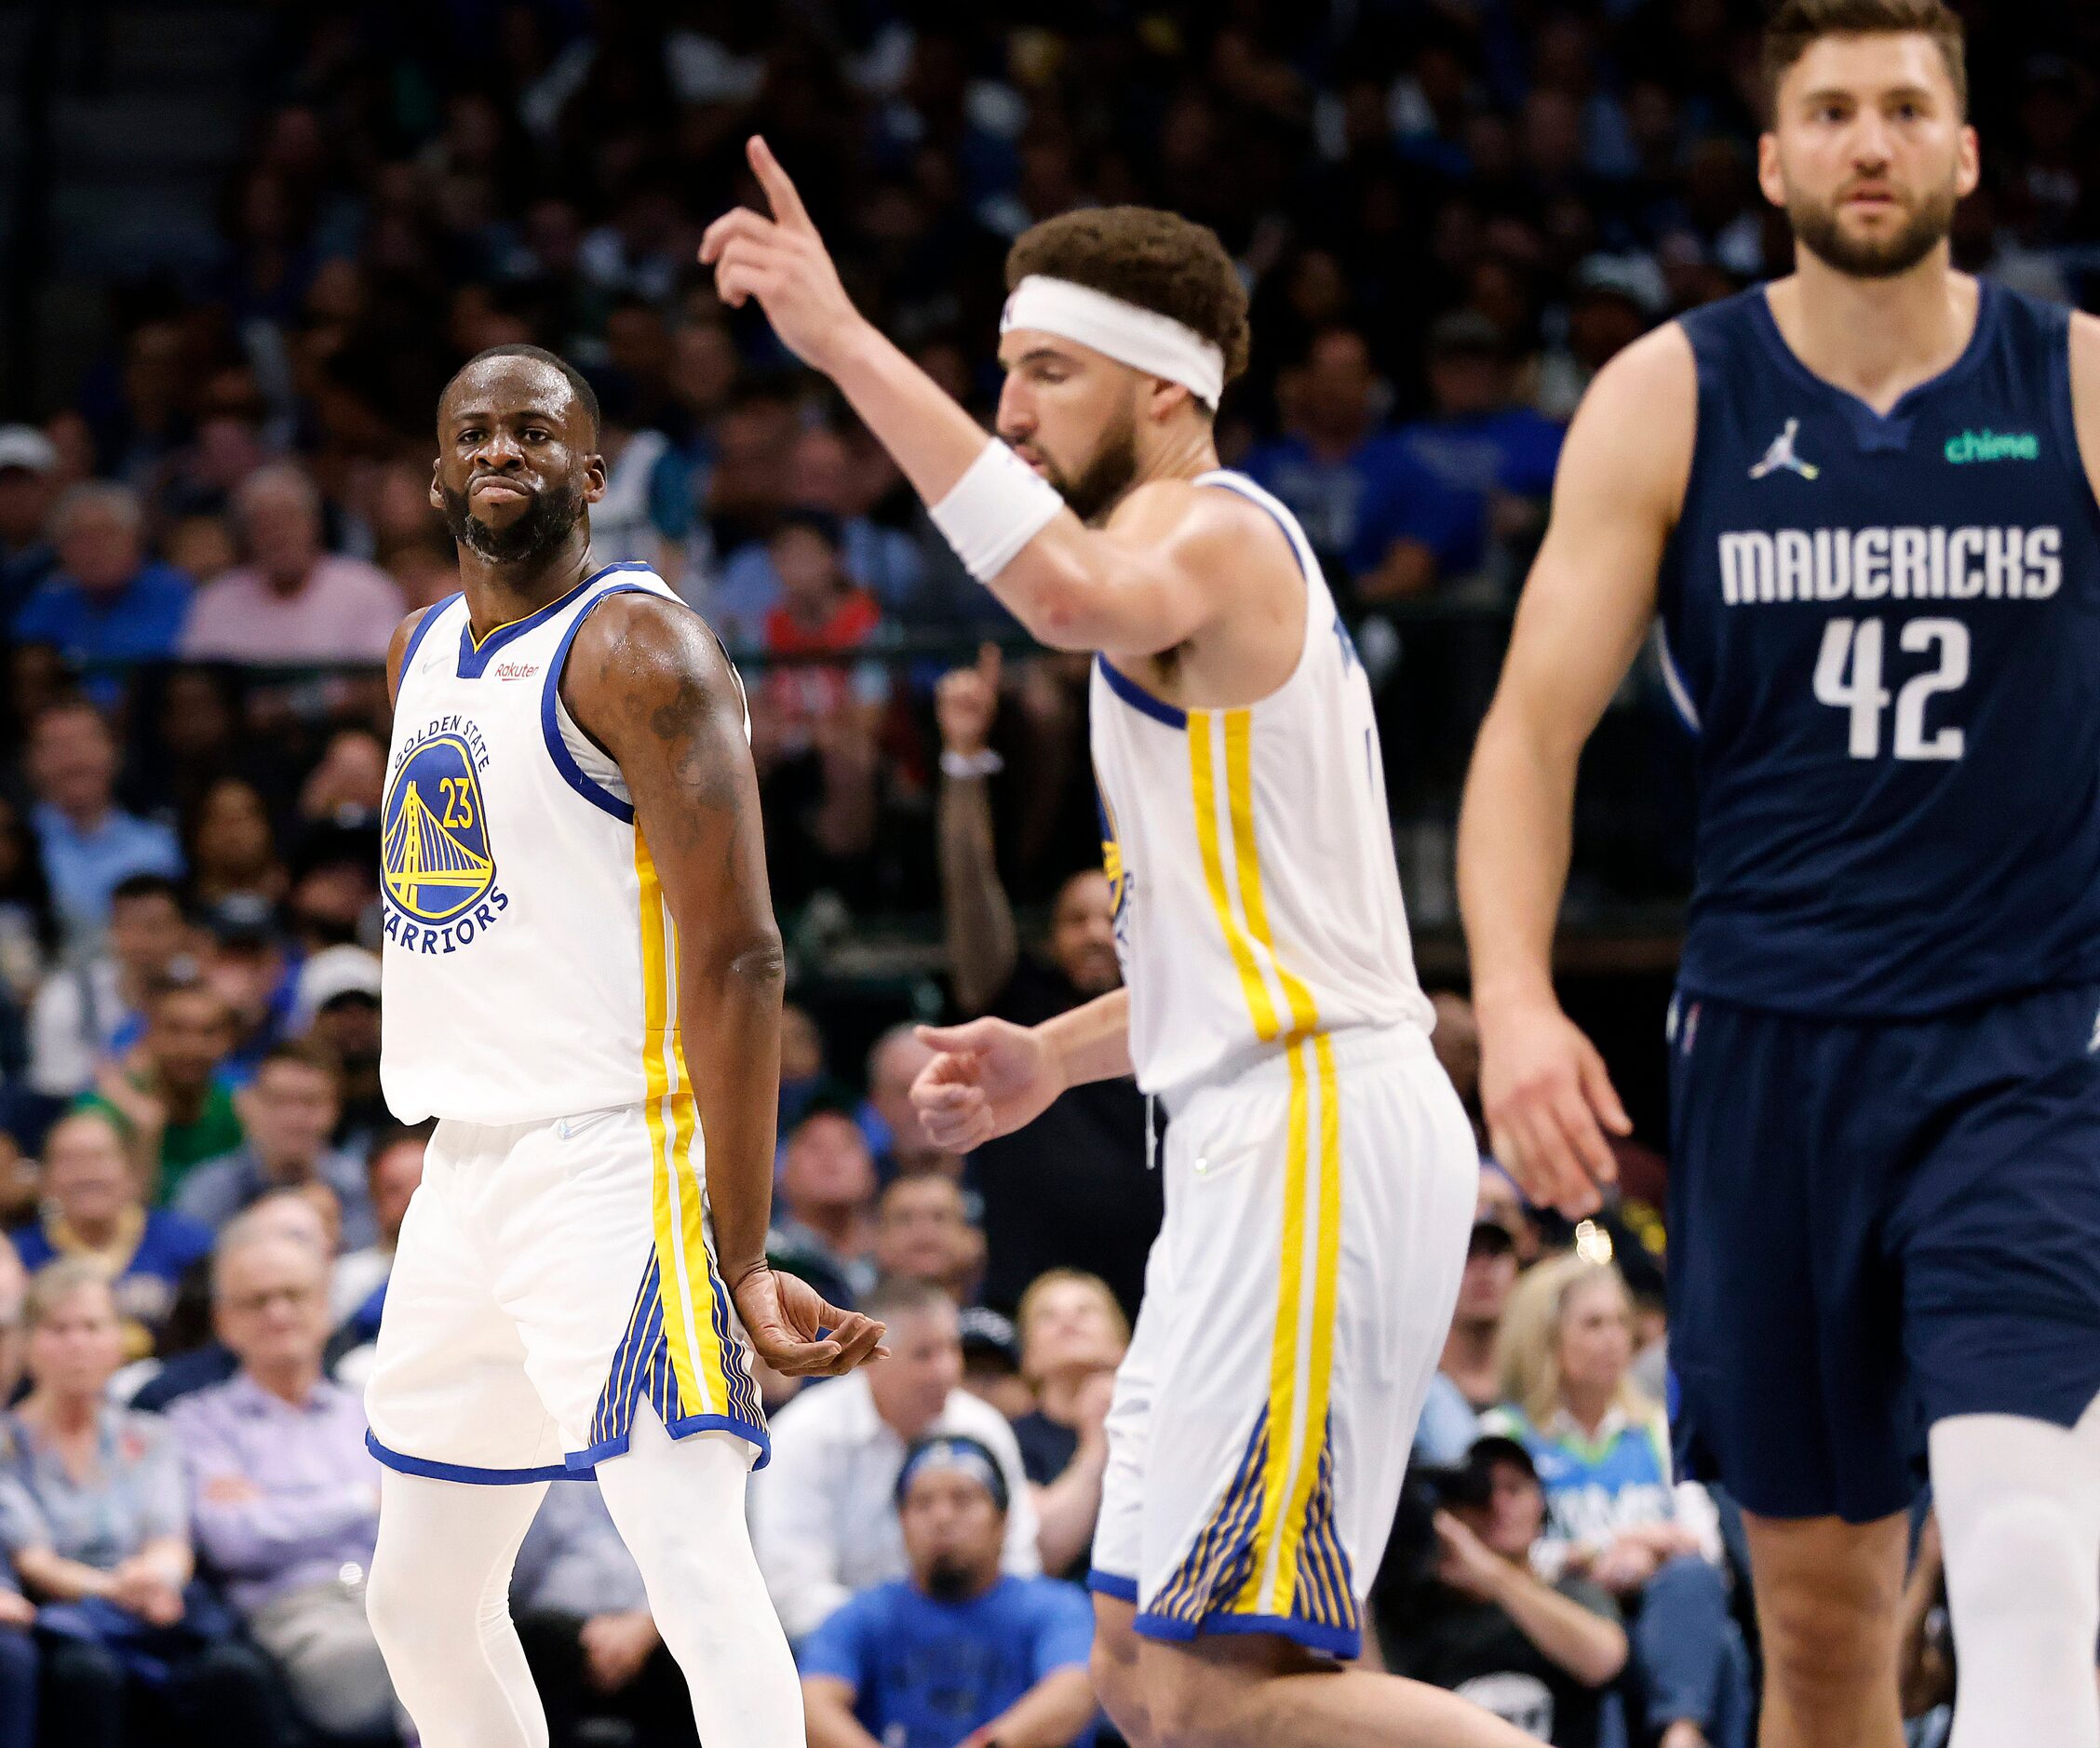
780 194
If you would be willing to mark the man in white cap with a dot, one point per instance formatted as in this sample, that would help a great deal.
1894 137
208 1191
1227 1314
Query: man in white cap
29 480
336 1002
1261 1420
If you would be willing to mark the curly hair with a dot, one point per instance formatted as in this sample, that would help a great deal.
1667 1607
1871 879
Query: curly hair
1796 24
1158 261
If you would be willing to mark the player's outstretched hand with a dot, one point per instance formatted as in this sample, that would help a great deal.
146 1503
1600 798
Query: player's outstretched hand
990 1078
796 1332
782 263
1548 1100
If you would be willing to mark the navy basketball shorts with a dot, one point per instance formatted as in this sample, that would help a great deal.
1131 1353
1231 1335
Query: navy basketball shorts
1875 1226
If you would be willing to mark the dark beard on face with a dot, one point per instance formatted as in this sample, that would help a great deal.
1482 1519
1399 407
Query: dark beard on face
1815 228
543 528
1106 478
949 1580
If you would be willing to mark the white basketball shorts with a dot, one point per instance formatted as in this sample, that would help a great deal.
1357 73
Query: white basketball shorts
550 1276
1296 1304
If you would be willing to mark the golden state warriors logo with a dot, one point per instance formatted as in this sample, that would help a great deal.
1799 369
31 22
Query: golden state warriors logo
434 846
1112 865
1112 857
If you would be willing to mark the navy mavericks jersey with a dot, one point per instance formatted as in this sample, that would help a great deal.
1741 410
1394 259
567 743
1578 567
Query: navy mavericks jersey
1886 634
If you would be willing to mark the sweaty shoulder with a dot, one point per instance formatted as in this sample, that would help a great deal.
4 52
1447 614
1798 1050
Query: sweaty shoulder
1632 434
1205 526
638 651
1233 555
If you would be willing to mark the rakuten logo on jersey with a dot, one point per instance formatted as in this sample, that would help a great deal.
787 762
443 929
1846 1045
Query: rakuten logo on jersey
1869 564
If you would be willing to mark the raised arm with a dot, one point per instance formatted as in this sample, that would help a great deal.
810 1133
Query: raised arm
649 682
1146 580
1586 608
982 942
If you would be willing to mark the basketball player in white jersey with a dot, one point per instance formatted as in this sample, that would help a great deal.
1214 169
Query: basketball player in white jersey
581 983
1320 1175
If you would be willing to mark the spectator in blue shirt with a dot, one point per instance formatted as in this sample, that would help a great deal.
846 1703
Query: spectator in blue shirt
956 1655
92 1207
106 602
1492 459
89 843
1366 504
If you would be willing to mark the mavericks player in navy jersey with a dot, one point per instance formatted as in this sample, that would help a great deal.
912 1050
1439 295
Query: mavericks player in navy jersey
1861 502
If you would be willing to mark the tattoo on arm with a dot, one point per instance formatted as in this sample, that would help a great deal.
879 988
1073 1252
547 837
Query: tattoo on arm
670 709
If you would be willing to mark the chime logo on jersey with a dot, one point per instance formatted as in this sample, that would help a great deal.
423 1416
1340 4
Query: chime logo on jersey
435 856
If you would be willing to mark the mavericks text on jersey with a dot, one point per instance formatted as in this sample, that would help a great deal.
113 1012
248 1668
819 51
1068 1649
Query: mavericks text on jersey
1886 632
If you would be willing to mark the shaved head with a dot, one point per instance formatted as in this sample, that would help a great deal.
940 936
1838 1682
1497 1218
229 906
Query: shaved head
581 394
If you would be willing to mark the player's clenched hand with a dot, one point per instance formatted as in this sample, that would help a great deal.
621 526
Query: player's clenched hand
1548 1102
782 1315
782 263
990 1078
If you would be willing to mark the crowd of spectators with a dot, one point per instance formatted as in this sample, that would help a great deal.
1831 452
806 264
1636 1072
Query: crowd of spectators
1449 214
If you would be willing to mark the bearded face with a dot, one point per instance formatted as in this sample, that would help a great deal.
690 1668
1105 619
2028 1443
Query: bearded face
532 533
1907 226
1868 153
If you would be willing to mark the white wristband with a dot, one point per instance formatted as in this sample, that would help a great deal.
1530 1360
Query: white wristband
996 508
983 763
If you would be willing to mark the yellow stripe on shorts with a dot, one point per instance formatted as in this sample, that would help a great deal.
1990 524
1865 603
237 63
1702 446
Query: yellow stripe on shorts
1302 1348
675 1208
1305 1456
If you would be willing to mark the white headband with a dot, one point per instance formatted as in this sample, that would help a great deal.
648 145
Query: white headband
1143 339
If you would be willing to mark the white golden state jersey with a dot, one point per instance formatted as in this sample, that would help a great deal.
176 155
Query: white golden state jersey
530 960
1250 853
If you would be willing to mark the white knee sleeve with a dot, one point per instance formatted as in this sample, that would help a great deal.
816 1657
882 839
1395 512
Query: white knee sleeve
439 1605
679 1508
2019 1509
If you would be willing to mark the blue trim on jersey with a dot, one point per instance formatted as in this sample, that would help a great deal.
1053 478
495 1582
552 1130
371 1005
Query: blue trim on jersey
474 656
581 1462
1247 490
1334 1641
1138 698
1112 1584
550 730
423 627
1673 680
467 1472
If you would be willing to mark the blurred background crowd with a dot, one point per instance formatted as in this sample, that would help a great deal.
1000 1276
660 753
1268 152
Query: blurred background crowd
242 248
